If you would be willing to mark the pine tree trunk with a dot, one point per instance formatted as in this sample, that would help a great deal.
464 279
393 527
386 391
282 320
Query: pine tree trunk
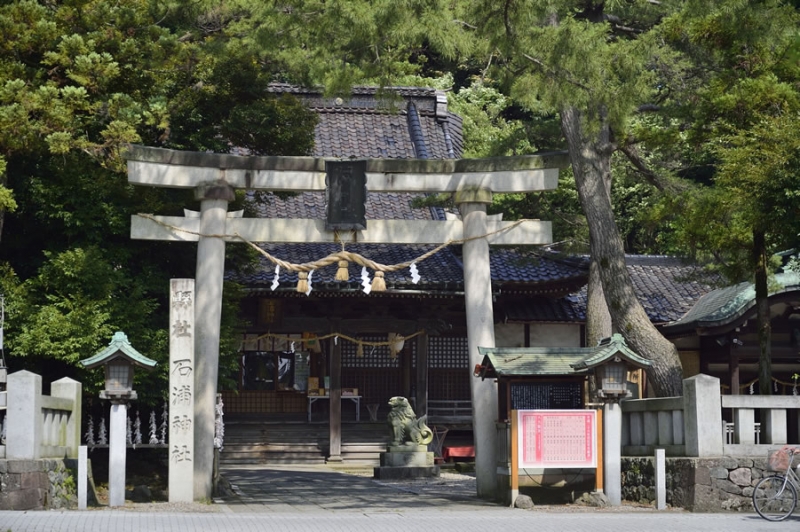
762 311
598 319
591 164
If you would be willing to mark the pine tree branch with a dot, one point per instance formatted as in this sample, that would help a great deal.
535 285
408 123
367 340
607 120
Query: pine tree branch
552 72
650 176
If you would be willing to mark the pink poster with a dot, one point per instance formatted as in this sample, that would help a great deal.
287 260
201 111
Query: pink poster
557 438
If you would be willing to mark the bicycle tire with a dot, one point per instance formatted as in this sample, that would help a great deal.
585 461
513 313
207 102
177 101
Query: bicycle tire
774 498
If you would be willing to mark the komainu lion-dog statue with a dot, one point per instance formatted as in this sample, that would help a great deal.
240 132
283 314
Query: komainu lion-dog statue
406 428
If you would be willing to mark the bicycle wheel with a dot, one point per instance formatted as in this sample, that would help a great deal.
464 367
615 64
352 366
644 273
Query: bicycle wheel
774 498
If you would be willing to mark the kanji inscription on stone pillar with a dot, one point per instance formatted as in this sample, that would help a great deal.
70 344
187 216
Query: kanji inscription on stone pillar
181 389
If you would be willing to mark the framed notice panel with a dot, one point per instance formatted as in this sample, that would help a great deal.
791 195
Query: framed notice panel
557 438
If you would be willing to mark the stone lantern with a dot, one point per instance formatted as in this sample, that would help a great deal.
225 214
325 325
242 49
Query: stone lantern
119 360
610 362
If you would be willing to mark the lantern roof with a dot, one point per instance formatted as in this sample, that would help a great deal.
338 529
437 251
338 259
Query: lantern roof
119 347
611 349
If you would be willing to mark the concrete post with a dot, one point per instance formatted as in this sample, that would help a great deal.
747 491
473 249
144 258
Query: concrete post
702 407
744 424
480 332
83 476
70 389
117 450
24 416
612 452
661 479
774 426
208 311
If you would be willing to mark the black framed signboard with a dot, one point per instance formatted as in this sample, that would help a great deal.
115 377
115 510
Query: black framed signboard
546 395
346 195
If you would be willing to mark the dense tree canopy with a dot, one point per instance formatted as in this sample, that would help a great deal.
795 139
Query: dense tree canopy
77 82
673 99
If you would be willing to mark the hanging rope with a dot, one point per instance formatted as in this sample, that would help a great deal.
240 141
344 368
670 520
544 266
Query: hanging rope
341 258
359 343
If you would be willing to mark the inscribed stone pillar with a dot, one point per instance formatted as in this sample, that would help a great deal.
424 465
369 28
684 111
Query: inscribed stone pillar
480 332
208 311
181 385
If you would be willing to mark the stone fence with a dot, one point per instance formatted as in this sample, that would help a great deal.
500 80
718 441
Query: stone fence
40 432
41 426
695 425
716 445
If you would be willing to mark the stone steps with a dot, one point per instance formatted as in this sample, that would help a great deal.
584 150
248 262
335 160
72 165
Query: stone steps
298 443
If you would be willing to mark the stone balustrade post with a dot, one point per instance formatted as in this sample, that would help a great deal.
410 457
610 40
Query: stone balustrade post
67 388
24 416
702 416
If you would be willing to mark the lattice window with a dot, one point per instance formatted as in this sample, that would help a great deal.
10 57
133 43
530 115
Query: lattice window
448 352
452 384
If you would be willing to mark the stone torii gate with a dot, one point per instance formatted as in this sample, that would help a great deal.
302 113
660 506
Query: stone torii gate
214 178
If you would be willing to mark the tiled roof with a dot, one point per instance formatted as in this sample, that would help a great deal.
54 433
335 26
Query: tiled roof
514 266
382 206
545 309
442 271
366 126
527 361
722 306
666 286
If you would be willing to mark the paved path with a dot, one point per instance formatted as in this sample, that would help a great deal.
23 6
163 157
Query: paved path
317 499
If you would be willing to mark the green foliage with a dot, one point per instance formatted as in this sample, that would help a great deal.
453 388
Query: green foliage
731 116
78 82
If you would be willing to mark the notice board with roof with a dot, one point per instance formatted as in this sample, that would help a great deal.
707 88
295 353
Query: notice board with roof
535 378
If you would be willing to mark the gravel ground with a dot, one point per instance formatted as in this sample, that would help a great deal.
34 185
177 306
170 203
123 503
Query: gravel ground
449 484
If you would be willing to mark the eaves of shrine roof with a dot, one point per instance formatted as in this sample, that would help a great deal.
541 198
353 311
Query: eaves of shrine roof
724 306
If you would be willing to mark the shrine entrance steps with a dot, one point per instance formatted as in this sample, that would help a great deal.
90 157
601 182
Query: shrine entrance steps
292 441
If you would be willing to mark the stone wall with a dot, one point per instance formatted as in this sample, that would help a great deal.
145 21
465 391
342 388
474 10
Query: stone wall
696 484
36 485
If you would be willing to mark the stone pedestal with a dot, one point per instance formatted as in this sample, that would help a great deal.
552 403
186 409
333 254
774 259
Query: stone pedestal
406 461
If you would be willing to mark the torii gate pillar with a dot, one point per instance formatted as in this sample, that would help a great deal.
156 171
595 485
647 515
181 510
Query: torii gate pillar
480 324
214 199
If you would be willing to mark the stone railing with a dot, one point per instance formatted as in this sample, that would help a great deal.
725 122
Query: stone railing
693 425
690 425
649 424
746 436
41 426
